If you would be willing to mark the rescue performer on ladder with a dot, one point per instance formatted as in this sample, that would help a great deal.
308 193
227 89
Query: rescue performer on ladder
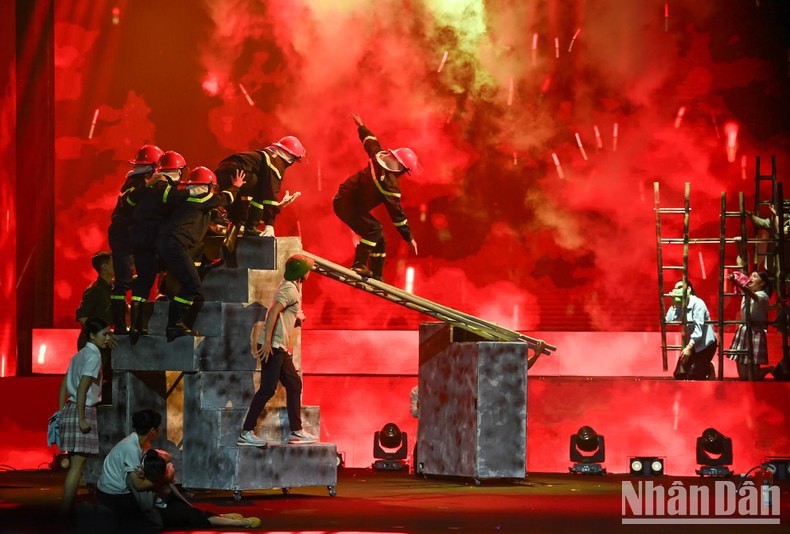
264 170
377 183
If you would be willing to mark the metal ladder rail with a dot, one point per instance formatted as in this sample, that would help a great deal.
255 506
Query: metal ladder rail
741 214
780 244
759 202
661 267
476 325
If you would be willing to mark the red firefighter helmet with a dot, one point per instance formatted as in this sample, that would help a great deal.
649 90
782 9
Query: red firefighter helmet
147 155
292 145
407 158
200 176
171 161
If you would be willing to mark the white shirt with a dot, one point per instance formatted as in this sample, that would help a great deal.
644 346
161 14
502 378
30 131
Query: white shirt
697 332
759 309
290 296
124 458
87 362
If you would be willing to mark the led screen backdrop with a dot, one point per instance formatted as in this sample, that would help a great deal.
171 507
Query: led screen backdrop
541 126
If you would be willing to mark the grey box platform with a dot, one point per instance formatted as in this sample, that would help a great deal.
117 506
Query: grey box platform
155 353
473 405
276 466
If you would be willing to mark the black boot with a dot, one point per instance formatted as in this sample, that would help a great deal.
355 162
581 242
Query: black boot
118 306
135 321
175 321
254 215
377 264
360 265
229 245
190 316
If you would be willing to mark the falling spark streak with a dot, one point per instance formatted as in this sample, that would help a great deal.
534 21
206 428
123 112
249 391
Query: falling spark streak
246 95
614 138
2 367
444 60
675 414
731 130
515 159
93 123
575 35
743 167
423 212
116 15
557 164
666 17
42 351
702 266
557 47
510 93
715 125
299 228
409 288
515 315
679 116
581 147
598 140
534 48
319 176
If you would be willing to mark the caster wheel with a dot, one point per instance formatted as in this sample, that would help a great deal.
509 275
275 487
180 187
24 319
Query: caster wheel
237 495
286 491
332 491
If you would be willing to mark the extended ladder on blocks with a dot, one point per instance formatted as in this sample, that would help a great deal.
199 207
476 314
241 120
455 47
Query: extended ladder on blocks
480 327
686 241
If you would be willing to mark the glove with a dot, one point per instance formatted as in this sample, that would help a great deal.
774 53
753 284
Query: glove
268 231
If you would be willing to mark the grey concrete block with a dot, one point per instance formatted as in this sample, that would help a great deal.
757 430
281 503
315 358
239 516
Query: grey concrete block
231 351
155 353
208 323
226 285
473 408
257 253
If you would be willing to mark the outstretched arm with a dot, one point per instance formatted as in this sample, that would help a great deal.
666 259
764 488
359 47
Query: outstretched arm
369 141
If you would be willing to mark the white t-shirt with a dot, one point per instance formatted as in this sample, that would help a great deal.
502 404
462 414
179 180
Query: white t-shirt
124 458
87 362
289 295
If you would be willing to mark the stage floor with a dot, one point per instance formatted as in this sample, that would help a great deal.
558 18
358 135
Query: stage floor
372 501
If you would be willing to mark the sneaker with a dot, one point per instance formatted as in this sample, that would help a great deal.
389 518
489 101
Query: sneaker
301 436
248 439
252 522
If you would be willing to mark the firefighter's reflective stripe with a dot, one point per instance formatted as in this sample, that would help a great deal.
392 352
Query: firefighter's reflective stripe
378 185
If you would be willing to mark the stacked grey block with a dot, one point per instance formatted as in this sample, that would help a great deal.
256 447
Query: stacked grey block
203 386
473 405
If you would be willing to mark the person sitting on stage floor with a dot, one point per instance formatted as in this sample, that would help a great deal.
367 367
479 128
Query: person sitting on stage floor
80 392
758 289
265 170
170 508
377 183
273 348
695 362
122 467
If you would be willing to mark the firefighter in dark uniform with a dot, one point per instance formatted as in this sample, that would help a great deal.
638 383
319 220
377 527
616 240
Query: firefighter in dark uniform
96 302
180 242
264 170
375 184
153 204
118 233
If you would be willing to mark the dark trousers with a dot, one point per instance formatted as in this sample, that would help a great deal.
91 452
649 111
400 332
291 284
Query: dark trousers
279 368
363 223
698 365
146 262
181 266
122 257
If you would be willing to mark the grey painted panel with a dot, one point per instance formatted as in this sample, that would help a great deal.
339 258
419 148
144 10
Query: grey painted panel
156 353
226 285
257 253
231 351
208 323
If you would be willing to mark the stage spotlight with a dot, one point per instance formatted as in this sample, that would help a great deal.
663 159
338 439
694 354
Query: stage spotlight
390 448
779 466
714 453
646 466
587 450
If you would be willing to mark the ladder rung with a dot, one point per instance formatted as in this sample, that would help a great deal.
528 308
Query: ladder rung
737 267
673 267
732 294
675 347
672 210
732 214
763 202
765 177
